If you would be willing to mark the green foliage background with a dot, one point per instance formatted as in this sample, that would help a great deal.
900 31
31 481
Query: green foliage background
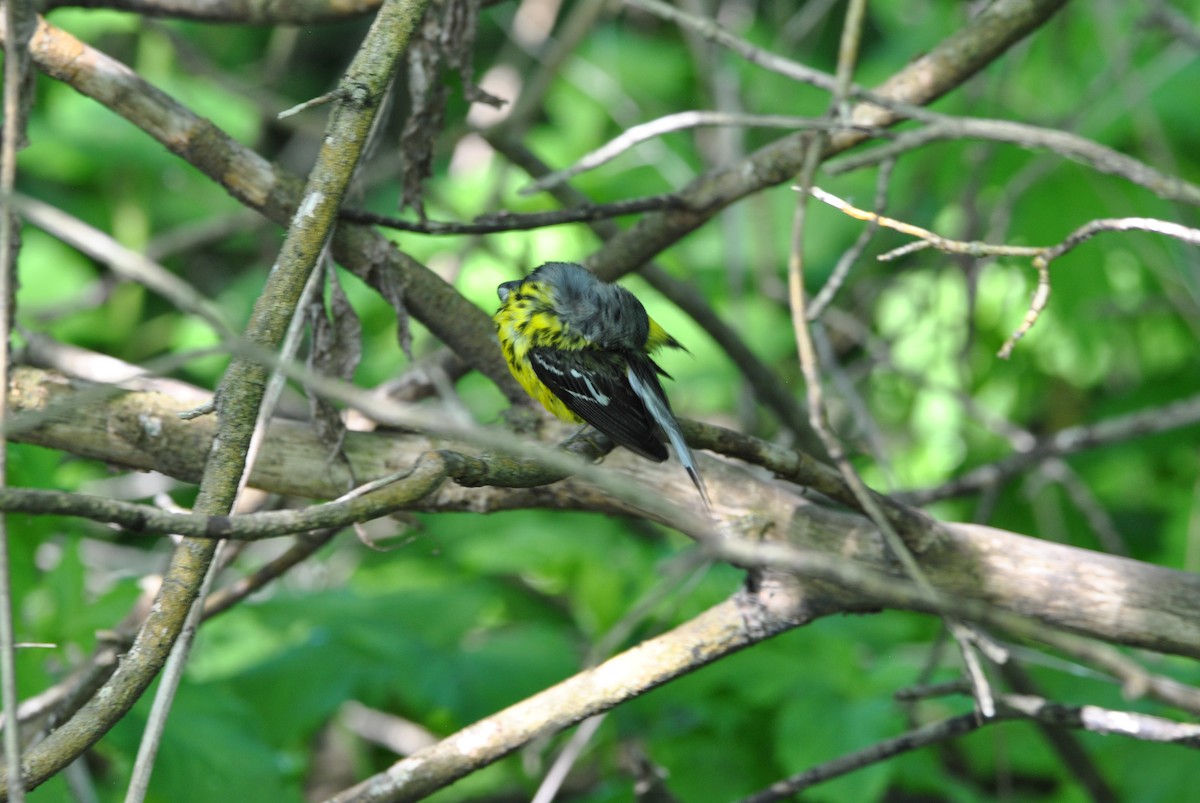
467 614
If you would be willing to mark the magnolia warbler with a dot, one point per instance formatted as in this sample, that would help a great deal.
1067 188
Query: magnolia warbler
582 348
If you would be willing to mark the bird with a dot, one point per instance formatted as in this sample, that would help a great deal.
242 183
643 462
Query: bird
583 348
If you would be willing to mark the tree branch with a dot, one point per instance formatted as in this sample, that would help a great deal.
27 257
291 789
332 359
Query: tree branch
1116 599
514 221
242 390
1062 143
717 632
1011 707
1072 440
947 65
274 193
242 12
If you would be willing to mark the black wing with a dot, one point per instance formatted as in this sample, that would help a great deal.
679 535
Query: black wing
593 385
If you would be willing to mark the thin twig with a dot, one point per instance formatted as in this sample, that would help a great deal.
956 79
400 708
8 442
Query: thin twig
709 29
1174 22
681 121
198 235
548 789
1041 256
125 262
1037 304
915 739
810 367
857 407
311 103
164 695
1010 707
945 244
1176 415
515 221
293 12
1094 227
305 546
548 61
927 691
1144 727
1071 146
689 568
1101 522
840 88
1066 744
840 271
848 57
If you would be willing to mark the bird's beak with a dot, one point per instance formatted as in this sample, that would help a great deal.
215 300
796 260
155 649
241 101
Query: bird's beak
506 288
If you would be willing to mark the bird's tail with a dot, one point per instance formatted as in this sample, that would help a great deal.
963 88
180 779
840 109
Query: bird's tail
650 392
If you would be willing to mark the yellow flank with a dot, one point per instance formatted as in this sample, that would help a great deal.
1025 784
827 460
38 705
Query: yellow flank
526 320
521 330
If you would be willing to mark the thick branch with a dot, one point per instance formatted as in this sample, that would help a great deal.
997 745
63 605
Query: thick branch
1115 599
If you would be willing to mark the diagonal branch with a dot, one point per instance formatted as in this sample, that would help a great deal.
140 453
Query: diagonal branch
1176 415
1116 599
274 193
947 65
719 631
1042 255
1071 146
1010 707
242 390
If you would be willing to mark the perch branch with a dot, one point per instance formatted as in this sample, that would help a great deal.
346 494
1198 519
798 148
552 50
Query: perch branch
1042 256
